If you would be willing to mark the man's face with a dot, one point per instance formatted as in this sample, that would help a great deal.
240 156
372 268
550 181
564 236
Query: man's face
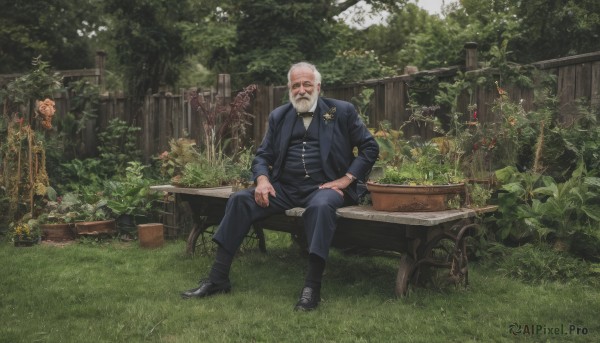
303 90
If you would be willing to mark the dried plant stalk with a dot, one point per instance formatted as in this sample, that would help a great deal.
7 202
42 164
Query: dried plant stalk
538 150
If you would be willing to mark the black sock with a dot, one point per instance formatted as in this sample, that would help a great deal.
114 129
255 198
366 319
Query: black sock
316 267
219 273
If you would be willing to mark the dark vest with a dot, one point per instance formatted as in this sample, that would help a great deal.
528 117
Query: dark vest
303 157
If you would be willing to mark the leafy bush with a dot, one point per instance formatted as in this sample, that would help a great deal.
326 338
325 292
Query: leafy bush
58 210
540 263
536 207
204 174
131 195
76 174
118 146
182 152
424 165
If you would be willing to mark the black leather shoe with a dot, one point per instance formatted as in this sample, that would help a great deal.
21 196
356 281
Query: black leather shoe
309 299
206 289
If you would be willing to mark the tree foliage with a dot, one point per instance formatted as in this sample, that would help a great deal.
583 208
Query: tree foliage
57 30
152 42
257 41
149 41
271 34
557 28
388 39
532 30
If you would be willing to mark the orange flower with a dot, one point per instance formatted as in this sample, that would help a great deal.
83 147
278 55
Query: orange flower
501 91
46 107
47 110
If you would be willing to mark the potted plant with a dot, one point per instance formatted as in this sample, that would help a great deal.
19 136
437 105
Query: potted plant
182 151
25 232
93 215
426 178
57 220
242 171
130 198
213 163
187 166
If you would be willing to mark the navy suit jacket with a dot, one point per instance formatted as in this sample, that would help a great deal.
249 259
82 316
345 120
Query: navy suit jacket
340 131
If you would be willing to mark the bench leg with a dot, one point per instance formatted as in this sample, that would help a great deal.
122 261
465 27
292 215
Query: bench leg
446 251
405 272
192 241
260 235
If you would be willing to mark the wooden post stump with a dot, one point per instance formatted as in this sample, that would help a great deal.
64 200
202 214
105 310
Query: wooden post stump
151 235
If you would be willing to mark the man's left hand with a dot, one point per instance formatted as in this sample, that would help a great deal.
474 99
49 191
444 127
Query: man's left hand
337 185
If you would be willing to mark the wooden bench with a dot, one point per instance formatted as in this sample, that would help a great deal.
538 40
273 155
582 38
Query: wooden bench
424 239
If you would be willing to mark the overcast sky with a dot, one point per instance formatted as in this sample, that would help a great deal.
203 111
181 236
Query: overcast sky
431 6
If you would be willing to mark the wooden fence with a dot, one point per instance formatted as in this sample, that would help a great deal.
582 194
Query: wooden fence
577 77
169 115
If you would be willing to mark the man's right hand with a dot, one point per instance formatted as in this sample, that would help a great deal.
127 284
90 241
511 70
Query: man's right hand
263 190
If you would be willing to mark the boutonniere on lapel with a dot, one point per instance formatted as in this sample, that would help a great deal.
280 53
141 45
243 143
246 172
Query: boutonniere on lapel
329 115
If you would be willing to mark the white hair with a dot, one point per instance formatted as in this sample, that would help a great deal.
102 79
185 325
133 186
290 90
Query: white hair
304 65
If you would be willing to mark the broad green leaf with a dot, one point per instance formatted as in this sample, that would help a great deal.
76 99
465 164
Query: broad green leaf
507 174
592 211
551 190
514 187
592 181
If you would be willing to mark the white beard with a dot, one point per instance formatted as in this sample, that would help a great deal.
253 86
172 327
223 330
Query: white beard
304 103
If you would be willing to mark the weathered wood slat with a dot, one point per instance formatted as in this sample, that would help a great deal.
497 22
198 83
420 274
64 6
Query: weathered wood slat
566 91
565 61
583 80
595 84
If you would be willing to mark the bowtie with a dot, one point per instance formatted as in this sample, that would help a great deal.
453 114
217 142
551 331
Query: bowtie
305 114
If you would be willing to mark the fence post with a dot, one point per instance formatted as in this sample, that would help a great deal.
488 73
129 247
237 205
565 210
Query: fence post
224 86
471 58
101 66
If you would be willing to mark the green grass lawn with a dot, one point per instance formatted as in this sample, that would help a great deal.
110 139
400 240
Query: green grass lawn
118 292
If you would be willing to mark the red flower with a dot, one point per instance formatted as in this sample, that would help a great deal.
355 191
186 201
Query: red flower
475 115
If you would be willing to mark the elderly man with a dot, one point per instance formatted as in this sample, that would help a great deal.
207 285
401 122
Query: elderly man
305 160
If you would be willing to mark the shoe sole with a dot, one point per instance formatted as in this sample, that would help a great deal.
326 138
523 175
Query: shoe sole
304 309
227 290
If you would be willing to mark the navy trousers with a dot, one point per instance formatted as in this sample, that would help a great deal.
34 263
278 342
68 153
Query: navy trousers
319 218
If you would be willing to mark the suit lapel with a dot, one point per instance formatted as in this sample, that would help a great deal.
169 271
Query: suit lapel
325 130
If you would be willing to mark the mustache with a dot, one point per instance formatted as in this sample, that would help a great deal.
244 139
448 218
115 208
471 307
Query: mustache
301 97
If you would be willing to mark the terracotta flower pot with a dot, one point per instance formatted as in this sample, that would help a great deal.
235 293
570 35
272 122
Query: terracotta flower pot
25 242
108 227
58 232
408 198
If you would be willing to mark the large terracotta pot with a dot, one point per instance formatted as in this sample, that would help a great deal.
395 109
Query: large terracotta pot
108 227
407 198
58 232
